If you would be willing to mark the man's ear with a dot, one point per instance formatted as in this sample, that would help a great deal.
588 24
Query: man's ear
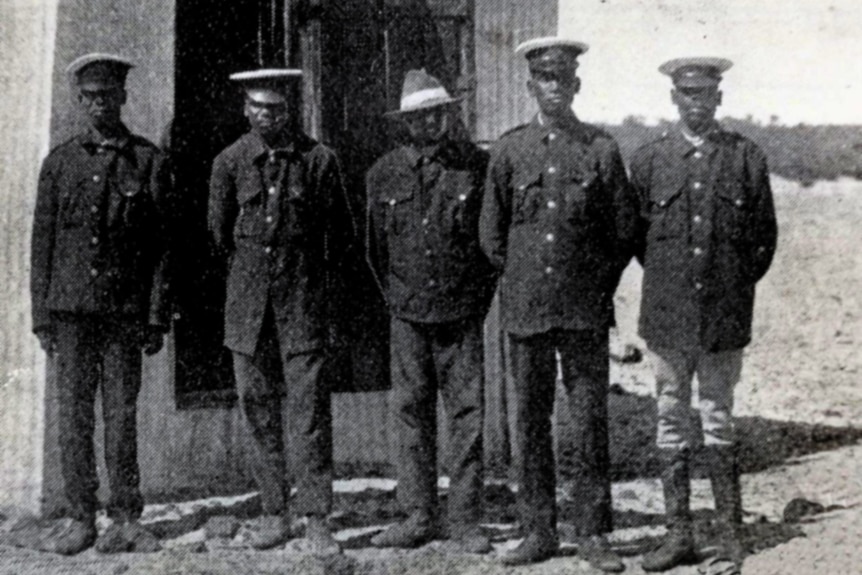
123 96
531 87
674 96
576 85
718 98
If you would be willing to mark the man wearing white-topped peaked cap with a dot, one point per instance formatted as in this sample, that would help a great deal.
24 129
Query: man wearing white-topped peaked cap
707 236
279 213
557 220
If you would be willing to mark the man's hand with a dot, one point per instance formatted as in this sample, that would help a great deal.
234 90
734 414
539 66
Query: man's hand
153 340
47 339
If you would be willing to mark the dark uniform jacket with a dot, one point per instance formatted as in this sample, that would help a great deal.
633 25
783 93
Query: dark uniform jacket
558 219
423 233
707 235
285 235
100 231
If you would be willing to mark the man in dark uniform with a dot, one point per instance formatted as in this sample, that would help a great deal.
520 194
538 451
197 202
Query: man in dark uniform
98 289
707 235
278 209
423 247
558 219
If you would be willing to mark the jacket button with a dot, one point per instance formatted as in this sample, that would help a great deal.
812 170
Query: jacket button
267 249
697 185
698 286
94 209
96 178
462 197
738 203
549 237
271 191
698 155
697 251
552 136
392 202
428 252
424 221
269 219
552 204
697 219
552 170
94 240
549 270
432 283
94 272
662 203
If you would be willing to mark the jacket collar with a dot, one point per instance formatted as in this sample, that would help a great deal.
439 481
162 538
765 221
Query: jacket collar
571 126
683 146
92 140
258 150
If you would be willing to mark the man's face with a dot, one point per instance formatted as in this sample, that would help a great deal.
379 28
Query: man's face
697 105
102 101
267 111
429 126
554 90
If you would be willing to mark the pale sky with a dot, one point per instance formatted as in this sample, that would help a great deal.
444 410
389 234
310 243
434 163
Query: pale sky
800 60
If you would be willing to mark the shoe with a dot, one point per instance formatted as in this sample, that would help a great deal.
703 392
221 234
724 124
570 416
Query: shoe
69 537
127 537
677 547
417 530
471 539
597 552
536 546
320 537
269 531
142 539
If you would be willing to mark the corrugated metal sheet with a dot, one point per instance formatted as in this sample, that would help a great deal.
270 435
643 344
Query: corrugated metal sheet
26 45
501 97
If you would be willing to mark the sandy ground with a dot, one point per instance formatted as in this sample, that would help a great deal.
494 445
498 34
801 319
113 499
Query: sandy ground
800 408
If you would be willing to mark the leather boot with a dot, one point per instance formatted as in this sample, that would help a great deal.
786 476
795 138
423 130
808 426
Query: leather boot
726 489
69 536
677 548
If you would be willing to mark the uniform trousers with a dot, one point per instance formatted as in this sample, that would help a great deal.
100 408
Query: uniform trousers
584 364
286 402
427 358
717 376
94 351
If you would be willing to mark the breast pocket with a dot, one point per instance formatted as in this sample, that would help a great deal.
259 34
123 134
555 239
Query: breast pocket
399 211
250 218
577 189
668 218
526 198
732 211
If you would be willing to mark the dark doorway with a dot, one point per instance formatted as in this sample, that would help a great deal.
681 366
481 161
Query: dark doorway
354 54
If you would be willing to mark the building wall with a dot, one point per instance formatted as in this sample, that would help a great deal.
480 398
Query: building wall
181 452
26 52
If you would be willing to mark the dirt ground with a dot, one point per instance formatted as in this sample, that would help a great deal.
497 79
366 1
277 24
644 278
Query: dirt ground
799 409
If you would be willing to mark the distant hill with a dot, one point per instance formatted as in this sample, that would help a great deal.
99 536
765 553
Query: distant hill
802 153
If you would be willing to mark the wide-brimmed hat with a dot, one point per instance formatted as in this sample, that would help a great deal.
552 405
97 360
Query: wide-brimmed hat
422 91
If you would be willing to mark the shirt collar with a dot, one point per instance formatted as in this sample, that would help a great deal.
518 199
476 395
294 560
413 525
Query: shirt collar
686 143
415 155
261 151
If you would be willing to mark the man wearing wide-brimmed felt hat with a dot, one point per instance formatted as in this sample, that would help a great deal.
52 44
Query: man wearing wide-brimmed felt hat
558 221
279 213
424 199
99 296
707 236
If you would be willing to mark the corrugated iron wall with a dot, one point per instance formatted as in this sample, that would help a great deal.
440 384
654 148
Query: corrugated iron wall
26 51
502 101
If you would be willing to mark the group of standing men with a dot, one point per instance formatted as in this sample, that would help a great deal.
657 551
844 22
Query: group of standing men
550 217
